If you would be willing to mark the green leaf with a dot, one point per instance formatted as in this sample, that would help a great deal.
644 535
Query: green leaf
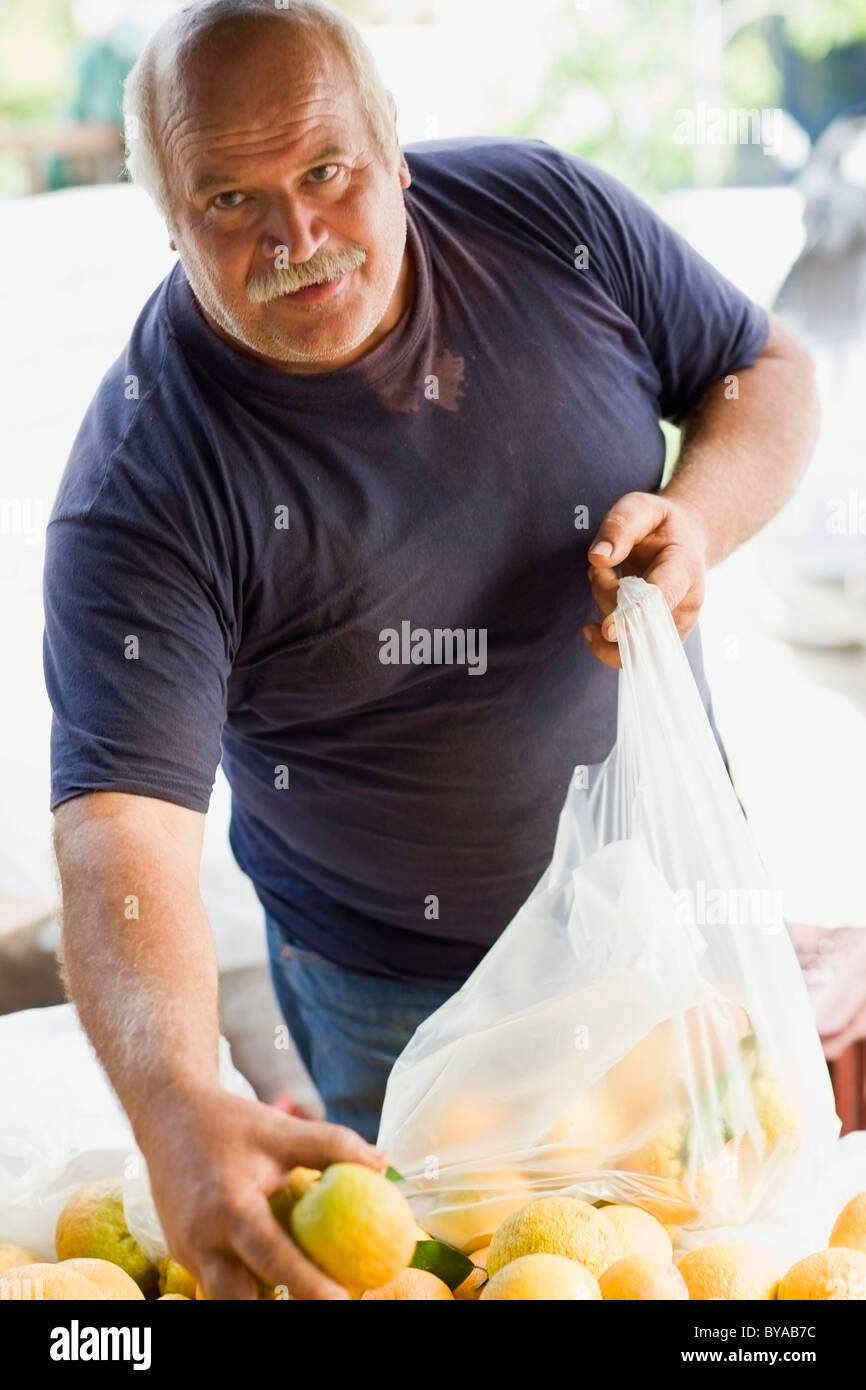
448 1264
393 1176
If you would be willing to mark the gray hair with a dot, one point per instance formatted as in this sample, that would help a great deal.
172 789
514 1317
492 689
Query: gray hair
143 158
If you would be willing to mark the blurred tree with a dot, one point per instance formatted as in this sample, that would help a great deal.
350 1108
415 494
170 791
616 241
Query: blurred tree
619 76
622 71
815 26
35 72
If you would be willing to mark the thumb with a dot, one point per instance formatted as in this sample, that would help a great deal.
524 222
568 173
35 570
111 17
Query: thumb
316 1144
629 520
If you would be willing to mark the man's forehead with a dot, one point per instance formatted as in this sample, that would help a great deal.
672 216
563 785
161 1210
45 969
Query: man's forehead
253 65
290 97
208 171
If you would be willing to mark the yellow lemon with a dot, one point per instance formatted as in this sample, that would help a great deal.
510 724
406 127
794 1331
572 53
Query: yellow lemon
470 1289
680 1191
828 1274
642 1278
412 1284
356 1226
462 1125
174 1278
541 1277
16 1255
640 1233
299 1182
112 1281
775 1114
556 1226
731 1270
467 1218
92 1225
589 1122
42 1281
849 1228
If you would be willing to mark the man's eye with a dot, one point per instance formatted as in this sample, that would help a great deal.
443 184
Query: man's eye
324 173
234 199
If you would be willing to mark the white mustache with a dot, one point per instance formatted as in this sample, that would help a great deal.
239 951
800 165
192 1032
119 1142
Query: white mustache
328 265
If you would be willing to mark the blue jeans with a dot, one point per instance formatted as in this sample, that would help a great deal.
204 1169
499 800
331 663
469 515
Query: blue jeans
348 1026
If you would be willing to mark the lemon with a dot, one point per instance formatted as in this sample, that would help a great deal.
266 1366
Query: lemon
16 1255
411 1284
112 1281
642 1278
467 1217
556 1226
828 1274
541 1277
175 1279
849 1229
470 1290
356 1226
775 1114
42 1281
92 1225
640 1233
730 1270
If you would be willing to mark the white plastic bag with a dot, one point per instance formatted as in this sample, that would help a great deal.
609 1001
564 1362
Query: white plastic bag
61 1125
641 1031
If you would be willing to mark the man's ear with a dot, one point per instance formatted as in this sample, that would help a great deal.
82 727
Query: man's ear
403 173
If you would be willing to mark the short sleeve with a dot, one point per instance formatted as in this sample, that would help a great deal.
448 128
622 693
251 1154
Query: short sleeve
696 325
137 656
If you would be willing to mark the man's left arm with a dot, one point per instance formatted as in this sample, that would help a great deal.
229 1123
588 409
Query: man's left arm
742 457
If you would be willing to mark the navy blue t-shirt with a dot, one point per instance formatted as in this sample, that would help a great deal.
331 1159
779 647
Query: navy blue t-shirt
235 552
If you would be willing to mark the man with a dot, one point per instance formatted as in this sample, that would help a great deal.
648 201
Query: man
329 517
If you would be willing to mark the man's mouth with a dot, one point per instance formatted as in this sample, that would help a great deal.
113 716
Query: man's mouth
314 294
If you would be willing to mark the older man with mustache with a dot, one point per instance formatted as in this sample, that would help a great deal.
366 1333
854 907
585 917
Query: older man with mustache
383 391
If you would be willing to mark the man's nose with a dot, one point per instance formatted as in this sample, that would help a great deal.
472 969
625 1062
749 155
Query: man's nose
293 230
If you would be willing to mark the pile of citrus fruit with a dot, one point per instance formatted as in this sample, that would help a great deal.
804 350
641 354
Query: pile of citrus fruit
357 1226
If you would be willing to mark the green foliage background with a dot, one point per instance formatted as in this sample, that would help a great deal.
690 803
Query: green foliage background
635 59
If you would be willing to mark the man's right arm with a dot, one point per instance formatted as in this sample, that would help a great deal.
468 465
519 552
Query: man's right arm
140 966
138 954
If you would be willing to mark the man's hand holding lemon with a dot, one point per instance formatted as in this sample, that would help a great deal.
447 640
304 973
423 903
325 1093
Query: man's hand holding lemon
214 1159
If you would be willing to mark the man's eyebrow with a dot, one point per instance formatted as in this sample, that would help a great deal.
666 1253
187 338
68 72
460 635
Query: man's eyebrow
331 151
208 181
214 180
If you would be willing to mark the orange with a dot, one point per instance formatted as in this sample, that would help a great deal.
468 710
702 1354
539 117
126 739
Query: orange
16 1255
731 1270
640 1277
849 1229
640 1233
112 1281
828 1274
467 1217
677 1191
35 1283
472 1285
414 1284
